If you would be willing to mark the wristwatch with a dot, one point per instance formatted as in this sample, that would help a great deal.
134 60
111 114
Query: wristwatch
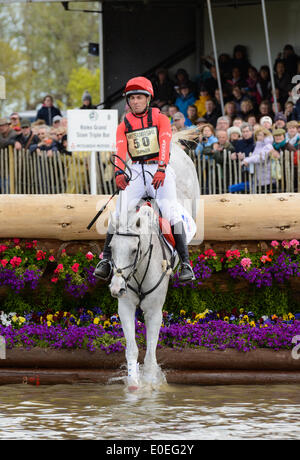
161 166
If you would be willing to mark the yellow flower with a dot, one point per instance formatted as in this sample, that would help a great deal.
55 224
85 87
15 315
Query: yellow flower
241 310
252 324
116 324
106 323
90 313
182 312
65 314
49 318
22 319
14 318
241 323
78 322
226 319
246 317
285 317
48 323
96 321
291 316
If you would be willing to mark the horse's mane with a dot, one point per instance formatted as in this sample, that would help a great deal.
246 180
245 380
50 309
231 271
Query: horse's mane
132 217
186 135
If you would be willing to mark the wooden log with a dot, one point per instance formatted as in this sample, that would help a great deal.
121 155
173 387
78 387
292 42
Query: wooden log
225 217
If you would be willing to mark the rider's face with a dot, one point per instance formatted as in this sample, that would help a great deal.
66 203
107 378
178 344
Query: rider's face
138 103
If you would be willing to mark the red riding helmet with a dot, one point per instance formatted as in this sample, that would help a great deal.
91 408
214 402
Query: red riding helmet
139 85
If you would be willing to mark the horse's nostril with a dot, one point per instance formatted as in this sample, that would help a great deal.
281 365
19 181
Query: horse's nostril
122 292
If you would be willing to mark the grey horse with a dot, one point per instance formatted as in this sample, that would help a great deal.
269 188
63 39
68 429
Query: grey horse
142 268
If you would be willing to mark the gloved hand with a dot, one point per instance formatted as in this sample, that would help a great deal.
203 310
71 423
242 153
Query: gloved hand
159 178
121 182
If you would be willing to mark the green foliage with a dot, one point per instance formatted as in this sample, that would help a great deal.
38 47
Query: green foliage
82 79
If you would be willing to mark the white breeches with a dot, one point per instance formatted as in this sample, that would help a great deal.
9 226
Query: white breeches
165 195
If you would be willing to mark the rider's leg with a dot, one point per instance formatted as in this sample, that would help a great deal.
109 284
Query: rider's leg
167 201
104 267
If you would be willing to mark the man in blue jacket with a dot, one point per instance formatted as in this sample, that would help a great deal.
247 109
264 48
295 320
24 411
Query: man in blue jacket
185 98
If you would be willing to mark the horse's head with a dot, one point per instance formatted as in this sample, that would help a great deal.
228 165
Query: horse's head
129 245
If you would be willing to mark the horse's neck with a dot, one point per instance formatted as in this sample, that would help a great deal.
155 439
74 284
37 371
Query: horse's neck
154 267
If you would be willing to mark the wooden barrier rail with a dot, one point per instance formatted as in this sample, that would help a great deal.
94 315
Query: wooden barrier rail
226 217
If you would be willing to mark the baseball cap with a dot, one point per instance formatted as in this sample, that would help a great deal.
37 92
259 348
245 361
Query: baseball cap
279 132
57 118
268 119
178 116
25 123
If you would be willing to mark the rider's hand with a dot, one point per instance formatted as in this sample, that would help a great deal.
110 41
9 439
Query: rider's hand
121 182
159 178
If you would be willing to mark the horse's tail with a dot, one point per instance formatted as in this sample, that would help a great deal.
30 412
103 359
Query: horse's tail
189 135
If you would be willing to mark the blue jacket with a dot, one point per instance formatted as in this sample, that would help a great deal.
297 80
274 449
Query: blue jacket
183 102
210 141
296 111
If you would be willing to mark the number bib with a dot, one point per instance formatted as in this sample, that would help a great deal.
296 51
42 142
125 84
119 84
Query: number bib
143 143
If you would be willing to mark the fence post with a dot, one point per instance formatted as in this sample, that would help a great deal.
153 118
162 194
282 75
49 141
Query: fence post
11 170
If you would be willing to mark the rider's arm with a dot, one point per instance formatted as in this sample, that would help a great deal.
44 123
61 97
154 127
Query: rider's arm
165 136
121 143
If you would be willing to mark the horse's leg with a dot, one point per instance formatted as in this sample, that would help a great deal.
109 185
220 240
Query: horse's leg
153 320
127 316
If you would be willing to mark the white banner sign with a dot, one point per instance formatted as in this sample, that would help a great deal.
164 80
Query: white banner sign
92 130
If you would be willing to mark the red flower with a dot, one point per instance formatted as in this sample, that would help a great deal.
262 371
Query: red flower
15 261
75 267
54 280
51 259
59 268
16 240
4 262
40 255
34 243
28 245
89 255
3 248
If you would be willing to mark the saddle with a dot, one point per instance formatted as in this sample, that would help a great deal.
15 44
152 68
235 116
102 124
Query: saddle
164 224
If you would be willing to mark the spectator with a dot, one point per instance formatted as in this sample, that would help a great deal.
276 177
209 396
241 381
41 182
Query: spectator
236 79
253 89
182 78
240 60
87 102
223 123
212 113
245 146
282 145
267 123
246 109
184 99
290 60
192 117
45 144
237 122
263 152
62 143
264 83
47 112
163 88
179 122
172 110
206 139
27 136
288 110
279 108
211 83
200 102
56 121
8 136
292 135
265 109
234 134
251 119
225 64
223 145
296 111
280 121
15 122
217 100
165 110
230 109
282 81
238 97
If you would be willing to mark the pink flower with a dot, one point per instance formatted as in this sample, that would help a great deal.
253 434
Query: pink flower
285 244
233 254
89 255
34 243
16 240
75 268
245 263
59 268
51 259
274 244
28 245
4 262
3 248
15 261
210 253
294 243
101 255
54 280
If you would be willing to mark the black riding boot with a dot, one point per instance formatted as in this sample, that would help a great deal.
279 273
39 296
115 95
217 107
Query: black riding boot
186 273
103 269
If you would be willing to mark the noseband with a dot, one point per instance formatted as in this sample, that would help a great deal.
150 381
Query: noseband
119 271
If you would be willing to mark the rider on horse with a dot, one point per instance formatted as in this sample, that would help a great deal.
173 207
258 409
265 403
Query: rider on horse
146 135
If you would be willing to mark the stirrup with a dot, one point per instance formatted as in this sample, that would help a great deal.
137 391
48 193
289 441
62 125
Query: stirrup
187 265
108 261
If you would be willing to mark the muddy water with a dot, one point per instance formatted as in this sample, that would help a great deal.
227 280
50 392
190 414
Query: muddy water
172 412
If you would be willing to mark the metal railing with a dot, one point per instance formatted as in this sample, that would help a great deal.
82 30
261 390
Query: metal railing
22 172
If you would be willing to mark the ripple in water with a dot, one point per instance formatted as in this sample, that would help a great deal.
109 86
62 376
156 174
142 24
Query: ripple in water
168 412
